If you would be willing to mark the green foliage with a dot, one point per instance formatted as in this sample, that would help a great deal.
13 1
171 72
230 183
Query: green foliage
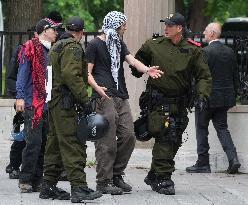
69 8
99 8
92 11
220 10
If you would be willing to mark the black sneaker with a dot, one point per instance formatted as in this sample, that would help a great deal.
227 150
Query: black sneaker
82 193
49 191
109 188
119 182
14 174
199 168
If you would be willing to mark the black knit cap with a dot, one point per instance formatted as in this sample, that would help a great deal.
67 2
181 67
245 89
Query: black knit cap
55 16
174 19
75 23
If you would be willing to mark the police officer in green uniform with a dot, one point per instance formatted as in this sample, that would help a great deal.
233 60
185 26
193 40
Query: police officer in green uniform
181 60
68 88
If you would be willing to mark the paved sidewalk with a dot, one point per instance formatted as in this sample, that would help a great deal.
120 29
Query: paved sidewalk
191 189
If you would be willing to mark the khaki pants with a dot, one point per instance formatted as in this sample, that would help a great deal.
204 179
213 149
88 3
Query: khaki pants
114 150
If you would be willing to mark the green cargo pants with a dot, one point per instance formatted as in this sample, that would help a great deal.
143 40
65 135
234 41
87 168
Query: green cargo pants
164 149
63 148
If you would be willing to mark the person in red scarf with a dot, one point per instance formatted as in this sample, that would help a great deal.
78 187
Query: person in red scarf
30 99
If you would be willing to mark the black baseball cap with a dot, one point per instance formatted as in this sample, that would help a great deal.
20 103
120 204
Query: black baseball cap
75 23
174 19
44 24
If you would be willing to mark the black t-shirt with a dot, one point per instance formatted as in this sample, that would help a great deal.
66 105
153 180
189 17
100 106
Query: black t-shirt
97 54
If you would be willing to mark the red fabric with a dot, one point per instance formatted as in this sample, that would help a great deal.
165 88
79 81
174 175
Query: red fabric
34 52
191 41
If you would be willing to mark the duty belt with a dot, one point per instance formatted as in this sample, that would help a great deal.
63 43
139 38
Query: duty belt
159 98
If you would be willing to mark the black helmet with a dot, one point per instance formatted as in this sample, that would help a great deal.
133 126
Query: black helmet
91 127
18 120
17 133
141 129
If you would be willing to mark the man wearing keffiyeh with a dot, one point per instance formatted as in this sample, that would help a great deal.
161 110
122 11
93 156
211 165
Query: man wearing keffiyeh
105 56
30 99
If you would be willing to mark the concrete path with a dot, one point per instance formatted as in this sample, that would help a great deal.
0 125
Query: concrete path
191 189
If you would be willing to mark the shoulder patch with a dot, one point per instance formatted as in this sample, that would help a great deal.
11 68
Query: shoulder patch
189 40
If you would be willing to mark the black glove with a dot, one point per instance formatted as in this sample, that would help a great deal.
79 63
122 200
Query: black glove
88 108
201 104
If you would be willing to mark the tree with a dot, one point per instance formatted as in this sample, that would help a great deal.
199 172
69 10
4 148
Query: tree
20 15
99 8
92 11
199 13
69 8
194 12
221 10
180 7
197 17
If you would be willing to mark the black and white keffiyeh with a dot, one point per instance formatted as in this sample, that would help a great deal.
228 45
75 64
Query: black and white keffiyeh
111 22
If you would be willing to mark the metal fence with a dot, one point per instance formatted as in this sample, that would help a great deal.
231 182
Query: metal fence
238 41
10 40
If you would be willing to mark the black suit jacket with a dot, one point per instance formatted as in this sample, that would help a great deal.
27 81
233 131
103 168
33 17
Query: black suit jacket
224 70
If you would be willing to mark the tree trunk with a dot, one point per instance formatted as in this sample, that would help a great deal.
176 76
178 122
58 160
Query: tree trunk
180 7
20 15
197 20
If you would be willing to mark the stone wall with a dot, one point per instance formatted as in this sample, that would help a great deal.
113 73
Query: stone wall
143 19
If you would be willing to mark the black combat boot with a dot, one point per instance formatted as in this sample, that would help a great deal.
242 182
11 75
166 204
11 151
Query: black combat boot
199 167
160 184
9 168
82 193
119 182
151 180
50 191
233 166
108 188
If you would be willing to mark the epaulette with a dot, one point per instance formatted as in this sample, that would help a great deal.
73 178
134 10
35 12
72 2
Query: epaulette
189 40
155 36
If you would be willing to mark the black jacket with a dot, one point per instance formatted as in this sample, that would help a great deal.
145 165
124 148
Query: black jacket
12 70
224 70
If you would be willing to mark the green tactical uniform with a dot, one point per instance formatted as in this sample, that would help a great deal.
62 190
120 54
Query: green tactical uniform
67 60
179 62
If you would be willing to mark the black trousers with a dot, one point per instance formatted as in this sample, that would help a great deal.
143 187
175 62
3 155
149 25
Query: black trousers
15 154
33 153
219 119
